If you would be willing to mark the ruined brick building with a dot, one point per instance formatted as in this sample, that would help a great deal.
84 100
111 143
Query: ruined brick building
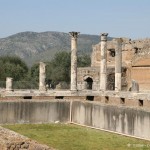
135 66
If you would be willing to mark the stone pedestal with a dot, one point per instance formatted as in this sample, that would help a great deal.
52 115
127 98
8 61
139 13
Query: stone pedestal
103 65
118 63
73 84
42 76
9 84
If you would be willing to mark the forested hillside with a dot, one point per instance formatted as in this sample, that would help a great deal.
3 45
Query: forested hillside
33 47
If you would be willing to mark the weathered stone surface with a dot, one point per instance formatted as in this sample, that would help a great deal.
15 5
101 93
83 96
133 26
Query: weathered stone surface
118 63
135 86
34 111
124 120
9 84
74 36
10 140
42 77
135 61
103 67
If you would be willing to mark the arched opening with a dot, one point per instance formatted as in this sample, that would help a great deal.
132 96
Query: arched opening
89 82
112 52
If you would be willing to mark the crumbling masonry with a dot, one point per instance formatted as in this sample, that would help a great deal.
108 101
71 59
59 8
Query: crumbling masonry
127 60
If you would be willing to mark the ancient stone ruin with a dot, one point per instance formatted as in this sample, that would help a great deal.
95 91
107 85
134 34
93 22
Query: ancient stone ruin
112 94
127 60
114 64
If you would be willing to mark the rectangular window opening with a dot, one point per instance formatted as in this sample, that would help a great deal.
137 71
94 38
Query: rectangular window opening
122 100
59 97
27 97
90 98
106 99
140 102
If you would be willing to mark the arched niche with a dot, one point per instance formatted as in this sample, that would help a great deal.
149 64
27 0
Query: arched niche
88 82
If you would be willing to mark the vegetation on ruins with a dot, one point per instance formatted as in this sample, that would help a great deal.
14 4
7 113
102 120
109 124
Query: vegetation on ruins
57 70
66 137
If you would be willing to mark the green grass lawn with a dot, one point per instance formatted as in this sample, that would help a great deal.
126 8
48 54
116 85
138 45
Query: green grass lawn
72 137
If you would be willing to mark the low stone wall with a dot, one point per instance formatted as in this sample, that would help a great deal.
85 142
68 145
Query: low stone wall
30 111
10 140
132 121
123 120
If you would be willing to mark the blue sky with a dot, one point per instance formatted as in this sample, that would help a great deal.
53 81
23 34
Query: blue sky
120 18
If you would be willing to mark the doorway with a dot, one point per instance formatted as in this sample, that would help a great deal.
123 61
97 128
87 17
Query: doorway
89 84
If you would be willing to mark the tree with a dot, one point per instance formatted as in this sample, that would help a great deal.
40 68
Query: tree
34 72
12 66
84 60
58 69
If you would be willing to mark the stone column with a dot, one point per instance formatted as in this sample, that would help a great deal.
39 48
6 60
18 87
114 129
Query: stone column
42 76
9 84
74 36
103 63
118 63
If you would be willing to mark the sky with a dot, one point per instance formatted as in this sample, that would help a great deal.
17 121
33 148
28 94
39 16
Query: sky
119 18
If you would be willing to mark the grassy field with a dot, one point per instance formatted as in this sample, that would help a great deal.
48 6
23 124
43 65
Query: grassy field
72 137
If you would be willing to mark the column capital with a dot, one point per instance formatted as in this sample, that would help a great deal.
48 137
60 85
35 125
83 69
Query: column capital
74 34
104 36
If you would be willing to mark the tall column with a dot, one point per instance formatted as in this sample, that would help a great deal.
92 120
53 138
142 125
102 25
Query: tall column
118 63
103 65
42 76
74 36
9 84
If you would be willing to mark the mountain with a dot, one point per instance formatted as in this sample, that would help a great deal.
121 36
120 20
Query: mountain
33 47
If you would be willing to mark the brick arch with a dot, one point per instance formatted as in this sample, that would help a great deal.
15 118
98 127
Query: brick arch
87 76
